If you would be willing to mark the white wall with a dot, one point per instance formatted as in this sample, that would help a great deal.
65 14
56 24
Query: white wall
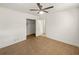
31 27
64 26
12 26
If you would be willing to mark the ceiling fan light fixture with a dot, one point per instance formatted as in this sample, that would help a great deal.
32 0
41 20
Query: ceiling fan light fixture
41 12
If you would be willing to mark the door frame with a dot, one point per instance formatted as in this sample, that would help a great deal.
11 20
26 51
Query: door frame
27 24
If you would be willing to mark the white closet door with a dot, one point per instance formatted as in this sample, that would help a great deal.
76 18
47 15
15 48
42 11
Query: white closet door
39 27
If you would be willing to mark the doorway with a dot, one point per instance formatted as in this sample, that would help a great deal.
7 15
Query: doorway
31 27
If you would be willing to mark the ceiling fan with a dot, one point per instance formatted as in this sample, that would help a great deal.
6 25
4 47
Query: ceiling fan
41 10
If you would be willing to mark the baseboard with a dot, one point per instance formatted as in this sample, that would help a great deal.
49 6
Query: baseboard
64 41
11 42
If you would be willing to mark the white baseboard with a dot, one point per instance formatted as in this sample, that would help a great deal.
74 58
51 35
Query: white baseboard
63 40
6 43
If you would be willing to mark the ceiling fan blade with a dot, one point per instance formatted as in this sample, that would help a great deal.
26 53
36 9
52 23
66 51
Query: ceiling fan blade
40 6
37 12
48 7
46 11
34 9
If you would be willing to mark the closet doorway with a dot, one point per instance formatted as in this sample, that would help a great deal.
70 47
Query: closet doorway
31 27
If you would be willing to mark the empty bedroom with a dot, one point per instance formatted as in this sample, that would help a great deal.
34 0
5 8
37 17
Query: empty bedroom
39 28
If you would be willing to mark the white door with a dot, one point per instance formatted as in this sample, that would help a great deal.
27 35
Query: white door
39 27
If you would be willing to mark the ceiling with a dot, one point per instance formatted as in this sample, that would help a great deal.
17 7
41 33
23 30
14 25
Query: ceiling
24 7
